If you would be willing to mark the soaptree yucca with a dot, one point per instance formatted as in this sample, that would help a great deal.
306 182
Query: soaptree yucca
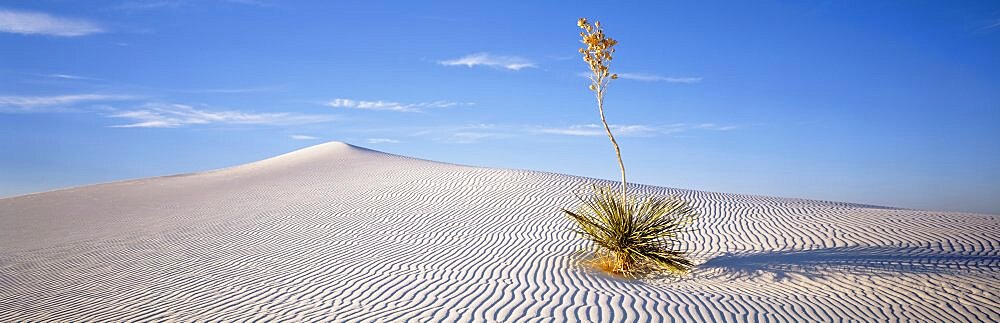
631 236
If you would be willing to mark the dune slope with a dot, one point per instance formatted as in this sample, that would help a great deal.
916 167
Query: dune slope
340 233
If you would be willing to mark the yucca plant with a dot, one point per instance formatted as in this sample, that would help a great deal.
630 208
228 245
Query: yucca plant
630 236
633 237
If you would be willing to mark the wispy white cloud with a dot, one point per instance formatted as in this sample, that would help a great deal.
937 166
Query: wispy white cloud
302 137
486 59
258 3
138 5
67 76
658 78
393 106
472 137
993 24
382 141
158 115
476 133
709 126
597 130
235 90
465 134
37 23
634 130
643 77
148 4
16 103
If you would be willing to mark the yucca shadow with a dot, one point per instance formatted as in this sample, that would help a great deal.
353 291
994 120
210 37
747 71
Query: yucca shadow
816 263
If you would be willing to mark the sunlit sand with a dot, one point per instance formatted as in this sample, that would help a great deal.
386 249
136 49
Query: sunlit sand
341 233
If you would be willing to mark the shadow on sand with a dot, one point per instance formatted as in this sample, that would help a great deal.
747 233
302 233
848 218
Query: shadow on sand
855 260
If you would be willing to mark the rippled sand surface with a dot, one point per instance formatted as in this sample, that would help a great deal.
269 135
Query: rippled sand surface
340 233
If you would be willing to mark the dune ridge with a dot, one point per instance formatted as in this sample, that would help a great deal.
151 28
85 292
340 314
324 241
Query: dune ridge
339 233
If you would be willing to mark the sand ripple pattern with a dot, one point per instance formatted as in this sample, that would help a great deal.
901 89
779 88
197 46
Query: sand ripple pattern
342 234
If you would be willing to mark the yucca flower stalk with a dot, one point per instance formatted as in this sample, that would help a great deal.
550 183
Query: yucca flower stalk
598 54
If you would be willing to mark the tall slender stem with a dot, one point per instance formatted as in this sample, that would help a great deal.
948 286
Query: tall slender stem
614 143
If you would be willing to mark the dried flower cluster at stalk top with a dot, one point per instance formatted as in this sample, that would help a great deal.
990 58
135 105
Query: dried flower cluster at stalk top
597 53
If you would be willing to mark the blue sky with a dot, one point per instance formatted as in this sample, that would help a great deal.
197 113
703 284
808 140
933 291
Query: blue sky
884 102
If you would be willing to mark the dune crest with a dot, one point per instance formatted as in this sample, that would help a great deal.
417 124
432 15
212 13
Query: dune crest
342 233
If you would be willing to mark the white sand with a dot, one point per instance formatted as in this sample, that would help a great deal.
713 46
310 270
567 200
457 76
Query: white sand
339 233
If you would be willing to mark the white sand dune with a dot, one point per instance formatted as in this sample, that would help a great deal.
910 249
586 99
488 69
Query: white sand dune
340 233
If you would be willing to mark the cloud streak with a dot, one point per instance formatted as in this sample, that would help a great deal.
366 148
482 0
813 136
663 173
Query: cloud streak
16 103
382 141
67 77
992 24
37 23
138 5
465 134
393 106
157 115
476 133
657 78
597 130
513 63
634 130
302 137
235 90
